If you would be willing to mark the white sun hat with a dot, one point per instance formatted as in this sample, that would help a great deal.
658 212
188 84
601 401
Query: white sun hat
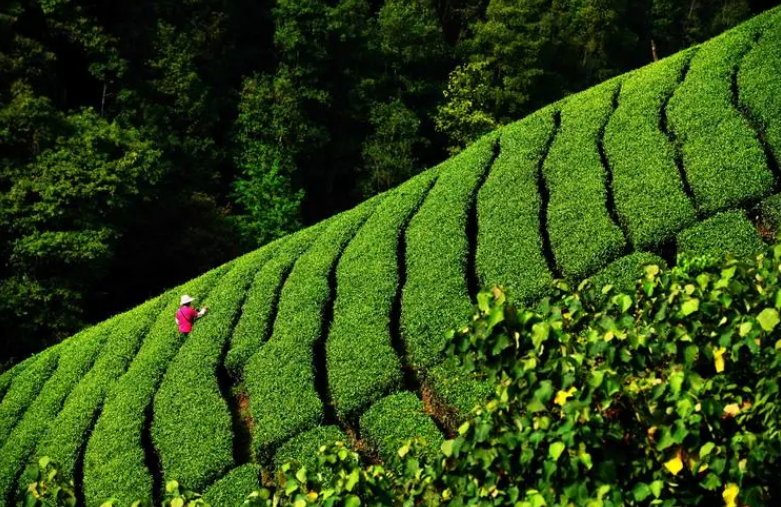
186 299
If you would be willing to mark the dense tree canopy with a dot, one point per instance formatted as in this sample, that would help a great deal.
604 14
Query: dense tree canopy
143 142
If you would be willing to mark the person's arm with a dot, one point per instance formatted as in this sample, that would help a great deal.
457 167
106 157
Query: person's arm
202 312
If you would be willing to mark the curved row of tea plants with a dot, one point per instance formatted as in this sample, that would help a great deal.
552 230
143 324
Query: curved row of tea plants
280 377
362 364
115 460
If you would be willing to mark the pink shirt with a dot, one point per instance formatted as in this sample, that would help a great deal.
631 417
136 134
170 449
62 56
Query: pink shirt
185 318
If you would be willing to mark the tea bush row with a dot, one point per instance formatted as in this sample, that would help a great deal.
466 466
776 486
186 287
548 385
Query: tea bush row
304 447
647 187
758 83
8 376
394 420
582 234
723 159
192 428
76 358
233 489
24 388
508 211
362 364
280 377
728 232
257 314
67 435
114 462
436 297
622 274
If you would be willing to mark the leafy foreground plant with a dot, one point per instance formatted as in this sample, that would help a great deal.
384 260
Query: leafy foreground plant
665 396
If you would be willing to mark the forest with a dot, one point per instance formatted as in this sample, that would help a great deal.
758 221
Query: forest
145 142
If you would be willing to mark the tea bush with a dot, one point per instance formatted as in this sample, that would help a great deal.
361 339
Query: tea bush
436 297
76 358
508 211
725 232
649 194
192 428
361 362
722 157
233 489
305 447
390 422
67 434
114 462
622 274
8 376
254 326
582 234
24 388
280 377
760 90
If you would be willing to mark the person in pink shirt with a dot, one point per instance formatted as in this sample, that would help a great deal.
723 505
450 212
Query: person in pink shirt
186 315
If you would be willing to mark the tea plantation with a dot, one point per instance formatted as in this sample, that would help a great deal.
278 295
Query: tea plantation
338 331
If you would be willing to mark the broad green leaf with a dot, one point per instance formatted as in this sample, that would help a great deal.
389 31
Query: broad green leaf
447 448
706 449
690 306
556 448
768 319
641 491
540 332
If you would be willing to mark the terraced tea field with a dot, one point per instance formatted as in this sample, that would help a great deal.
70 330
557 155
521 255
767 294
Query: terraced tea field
337 331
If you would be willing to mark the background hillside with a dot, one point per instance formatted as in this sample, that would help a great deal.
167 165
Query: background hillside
144 142
339 328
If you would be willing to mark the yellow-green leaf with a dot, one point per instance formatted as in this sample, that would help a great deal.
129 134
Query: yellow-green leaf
690 306
555 450
768 319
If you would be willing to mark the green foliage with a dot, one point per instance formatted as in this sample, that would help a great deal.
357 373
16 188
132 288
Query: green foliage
361 362
7 377
722 157
769 211
192 428
67 434
264 189
759 93
280 376
587 391
48 487
395 419
649 194
76 358
114 461
435 297
463 118
233 489
389 153
59 217
582 234
728 232
254 325
24 388
305 448
620 276
508 212
456 392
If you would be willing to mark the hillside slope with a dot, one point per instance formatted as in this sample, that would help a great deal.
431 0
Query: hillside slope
338 329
